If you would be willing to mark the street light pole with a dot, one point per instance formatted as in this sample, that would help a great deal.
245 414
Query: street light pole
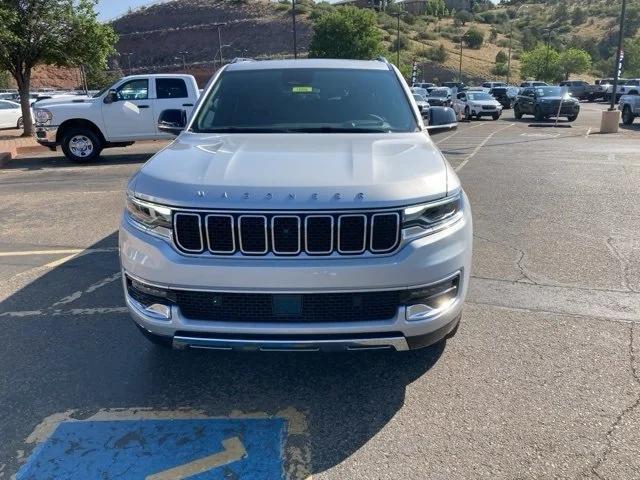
460 67
295 44
397 15
218 25
184 61
616 71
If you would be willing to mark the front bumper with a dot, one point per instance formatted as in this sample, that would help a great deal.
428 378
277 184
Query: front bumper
422 262
46 135
486 113
566 110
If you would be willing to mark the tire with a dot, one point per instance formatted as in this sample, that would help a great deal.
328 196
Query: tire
516 112
572 118
627 115
591 98
81 145
20 124
467 114
495 116
538 114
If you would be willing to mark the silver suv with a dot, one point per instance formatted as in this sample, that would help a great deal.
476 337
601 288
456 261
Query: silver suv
313 214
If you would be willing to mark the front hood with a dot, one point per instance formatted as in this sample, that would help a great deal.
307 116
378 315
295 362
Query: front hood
64 101
295 171
488 103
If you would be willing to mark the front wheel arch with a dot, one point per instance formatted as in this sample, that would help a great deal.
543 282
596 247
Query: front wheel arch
80 124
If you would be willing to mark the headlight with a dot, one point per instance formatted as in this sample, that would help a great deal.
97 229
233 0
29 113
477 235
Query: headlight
150 216
431 217
42 115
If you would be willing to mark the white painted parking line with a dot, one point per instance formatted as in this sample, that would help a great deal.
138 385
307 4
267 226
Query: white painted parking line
91 288
458 131
477 149
72 251
70 312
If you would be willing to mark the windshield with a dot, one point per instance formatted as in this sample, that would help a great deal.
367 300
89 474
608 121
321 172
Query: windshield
479 96
439 93
419 98
549 91
306 100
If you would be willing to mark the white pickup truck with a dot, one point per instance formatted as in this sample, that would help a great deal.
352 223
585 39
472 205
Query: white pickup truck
630 107
117 116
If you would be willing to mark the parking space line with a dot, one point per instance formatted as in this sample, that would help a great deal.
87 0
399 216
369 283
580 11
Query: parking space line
458 131
91 288
70 312
480 145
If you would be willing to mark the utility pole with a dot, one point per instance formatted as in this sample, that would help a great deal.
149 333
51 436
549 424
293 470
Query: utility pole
128 55
218 25
295 44
460 68
616 72
546 60
184 61
397 15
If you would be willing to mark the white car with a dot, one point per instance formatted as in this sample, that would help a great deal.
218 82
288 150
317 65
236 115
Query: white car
322 217
10 114
477 104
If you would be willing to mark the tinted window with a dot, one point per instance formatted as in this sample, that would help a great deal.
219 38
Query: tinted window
5 106
134 90
549 91
171 88
306 100
439 93
479 96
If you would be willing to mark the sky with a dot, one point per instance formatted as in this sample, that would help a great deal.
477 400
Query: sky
110 9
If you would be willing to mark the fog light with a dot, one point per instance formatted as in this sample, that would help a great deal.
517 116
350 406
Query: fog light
153 301
425 302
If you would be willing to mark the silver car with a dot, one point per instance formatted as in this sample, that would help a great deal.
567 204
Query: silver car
315 215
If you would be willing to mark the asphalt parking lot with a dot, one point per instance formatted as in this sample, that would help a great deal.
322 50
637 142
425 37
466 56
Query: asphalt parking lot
541 381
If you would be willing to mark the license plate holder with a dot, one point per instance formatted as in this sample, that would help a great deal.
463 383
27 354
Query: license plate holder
287 305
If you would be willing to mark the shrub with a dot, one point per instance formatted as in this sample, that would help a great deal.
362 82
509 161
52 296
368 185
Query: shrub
474 38
438 54
501 57
426 35
499 70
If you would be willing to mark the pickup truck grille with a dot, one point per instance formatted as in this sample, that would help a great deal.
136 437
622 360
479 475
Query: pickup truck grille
285 233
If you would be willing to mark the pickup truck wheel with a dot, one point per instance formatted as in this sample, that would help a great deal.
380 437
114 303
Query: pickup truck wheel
495 116
572 118
627 115
81 145
516 112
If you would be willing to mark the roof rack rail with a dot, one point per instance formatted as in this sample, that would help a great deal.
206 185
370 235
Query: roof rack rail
242 59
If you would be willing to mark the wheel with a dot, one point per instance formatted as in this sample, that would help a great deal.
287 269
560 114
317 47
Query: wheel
591 98
467 114
81 145
495 116
627 115
20 123
538 114
572 118
516 112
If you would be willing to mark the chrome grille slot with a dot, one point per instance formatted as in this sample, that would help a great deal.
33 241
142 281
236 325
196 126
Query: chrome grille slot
220 233
384 232
318 234
352 233
188 232
284 233
252 230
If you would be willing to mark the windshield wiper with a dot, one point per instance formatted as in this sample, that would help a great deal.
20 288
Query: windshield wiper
329 129
243 130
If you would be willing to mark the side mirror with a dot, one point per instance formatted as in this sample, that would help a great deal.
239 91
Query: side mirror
172 121
111 96
442 118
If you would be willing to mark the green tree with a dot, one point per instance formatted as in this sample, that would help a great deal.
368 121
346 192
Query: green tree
474 38
346 32
97 79
541 63
632 58
500 70
462 17
574 60
53 32
501 57
4 79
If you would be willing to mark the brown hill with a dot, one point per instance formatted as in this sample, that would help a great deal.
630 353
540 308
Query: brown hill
157 34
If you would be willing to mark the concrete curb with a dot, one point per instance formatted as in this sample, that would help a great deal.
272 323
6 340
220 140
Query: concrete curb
7 155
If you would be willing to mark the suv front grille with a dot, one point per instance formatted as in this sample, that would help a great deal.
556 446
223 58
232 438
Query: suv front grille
312 307
286 234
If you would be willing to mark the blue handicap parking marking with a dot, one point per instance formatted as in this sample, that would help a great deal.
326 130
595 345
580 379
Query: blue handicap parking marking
166 449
